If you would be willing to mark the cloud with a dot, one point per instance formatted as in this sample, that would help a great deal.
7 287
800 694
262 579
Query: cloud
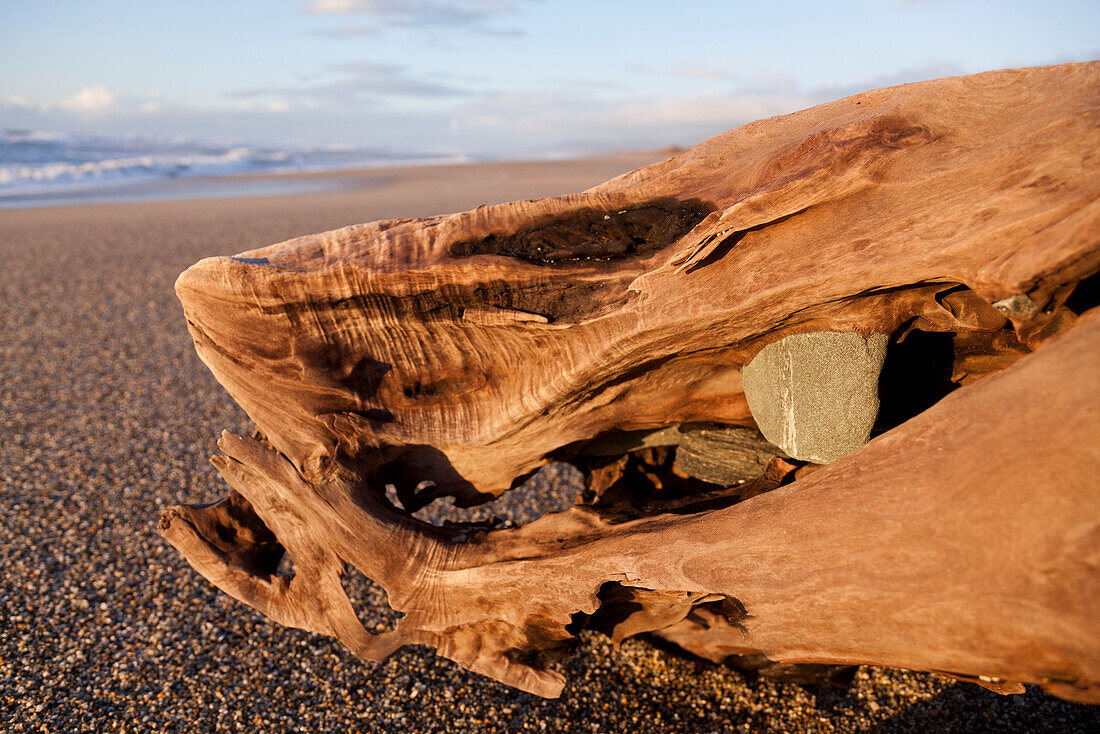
347 31
89 100
934 70
358 83
18 100
337 6
92 101
416 12
575 119
387 105
412 14
698 111
369 77
574 122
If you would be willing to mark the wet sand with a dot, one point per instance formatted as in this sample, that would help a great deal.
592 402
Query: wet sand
107 416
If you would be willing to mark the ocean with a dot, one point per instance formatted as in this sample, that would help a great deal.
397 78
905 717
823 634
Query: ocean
39 168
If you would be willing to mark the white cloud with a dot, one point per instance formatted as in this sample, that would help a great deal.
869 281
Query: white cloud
256 105
352 84
92 99
701 110
576 122
96 103
18 100
389 106
347 31
339 6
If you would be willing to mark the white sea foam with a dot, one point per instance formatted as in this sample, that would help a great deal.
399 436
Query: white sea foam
36 161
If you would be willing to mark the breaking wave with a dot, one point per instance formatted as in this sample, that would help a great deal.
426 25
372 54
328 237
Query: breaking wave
39 161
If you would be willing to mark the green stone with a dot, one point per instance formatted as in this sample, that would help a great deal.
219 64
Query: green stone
816 395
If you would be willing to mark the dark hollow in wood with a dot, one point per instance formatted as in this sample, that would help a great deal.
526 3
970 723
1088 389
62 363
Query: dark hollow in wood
592 234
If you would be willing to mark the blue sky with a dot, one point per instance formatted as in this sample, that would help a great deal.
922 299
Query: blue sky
504 77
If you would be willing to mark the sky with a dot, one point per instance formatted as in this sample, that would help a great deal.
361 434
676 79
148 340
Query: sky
492 77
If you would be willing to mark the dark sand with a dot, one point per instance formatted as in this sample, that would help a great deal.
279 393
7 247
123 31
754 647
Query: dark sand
107 416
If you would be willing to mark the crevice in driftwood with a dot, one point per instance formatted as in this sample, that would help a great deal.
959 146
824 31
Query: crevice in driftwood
593 235
553 488
364 594
916 375
1084 296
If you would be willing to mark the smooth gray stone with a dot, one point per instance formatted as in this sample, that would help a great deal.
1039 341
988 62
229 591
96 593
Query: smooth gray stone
711 452
724 456
816 395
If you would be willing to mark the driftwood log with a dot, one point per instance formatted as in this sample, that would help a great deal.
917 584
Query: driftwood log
832 379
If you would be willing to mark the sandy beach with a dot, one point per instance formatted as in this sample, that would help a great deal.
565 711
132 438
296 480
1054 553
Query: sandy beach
107 416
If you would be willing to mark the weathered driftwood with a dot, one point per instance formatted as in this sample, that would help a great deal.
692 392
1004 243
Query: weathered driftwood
453 356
